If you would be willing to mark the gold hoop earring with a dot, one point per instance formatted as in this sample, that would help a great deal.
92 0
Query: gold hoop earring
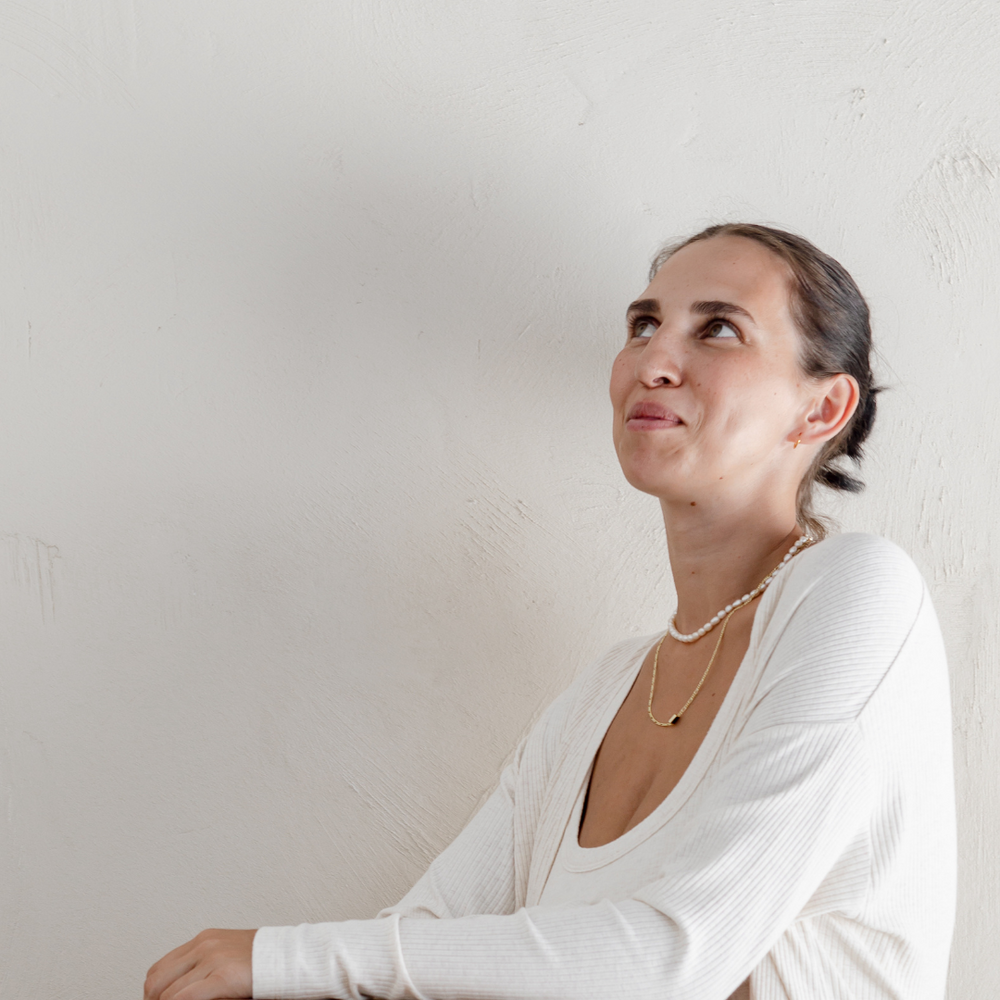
797 443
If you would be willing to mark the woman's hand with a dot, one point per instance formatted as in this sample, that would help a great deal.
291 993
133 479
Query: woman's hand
215 965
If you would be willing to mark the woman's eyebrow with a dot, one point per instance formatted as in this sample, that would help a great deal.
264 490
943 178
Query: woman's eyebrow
714 307
643 306
711 307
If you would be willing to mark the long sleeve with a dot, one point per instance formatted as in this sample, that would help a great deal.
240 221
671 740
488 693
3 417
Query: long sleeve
789 802
786 809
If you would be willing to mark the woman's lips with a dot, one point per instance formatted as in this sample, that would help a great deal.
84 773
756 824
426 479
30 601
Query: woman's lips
651 417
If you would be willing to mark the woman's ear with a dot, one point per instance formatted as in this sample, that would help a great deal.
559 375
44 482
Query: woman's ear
830 410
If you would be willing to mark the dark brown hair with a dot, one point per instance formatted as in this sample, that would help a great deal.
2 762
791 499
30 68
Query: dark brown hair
833 318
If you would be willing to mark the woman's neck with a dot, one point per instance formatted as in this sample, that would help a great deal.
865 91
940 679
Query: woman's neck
717 556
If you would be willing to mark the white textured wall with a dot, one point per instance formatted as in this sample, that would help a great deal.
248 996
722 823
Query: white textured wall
309 502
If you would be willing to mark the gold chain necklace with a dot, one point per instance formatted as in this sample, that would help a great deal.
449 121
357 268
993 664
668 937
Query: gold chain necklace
724 615
674 719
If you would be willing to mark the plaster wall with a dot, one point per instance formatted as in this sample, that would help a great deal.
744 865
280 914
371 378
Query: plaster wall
308 501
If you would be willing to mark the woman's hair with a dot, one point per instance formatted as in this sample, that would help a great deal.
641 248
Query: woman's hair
832 316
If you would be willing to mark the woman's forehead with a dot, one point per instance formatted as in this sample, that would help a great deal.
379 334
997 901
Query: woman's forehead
730 268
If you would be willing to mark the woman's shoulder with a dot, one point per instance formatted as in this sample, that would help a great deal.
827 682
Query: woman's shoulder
861 550
836 625
856 571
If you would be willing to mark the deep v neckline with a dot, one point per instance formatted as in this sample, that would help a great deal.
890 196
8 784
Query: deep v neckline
594 709
584 858
600 700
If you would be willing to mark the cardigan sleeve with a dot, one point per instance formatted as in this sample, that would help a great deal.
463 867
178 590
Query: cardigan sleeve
789 800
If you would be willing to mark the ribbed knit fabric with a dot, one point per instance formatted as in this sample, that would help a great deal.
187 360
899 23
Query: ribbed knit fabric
811 846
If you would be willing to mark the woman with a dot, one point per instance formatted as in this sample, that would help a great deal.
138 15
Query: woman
759 800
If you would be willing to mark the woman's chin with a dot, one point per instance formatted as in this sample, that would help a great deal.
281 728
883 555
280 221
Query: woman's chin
657 474
656 483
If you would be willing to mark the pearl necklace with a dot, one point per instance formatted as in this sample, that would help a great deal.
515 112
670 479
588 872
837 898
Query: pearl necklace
745 599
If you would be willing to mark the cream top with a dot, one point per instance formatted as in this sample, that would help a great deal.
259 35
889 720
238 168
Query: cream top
810 844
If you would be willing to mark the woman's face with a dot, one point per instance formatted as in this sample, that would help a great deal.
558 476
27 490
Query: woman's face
708 392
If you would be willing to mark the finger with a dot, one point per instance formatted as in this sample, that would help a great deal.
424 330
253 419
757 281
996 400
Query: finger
222 956
213 987
195 975
214 975
172 966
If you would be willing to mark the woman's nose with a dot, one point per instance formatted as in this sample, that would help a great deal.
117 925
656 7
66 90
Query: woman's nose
657 364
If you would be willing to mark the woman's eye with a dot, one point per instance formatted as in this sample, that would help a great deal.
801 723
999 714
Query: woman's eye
719 329
644 328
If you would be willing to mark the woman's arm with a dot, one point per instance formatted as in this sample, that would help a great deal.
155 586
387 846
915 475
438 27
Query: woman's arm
779 817
789 803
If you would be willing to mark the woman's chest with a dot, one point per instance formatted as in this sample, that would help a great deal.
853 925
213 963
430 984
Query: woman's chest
639 763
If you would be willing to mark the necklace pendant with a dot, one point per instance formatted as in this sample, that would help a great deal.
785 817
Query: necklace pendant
674 719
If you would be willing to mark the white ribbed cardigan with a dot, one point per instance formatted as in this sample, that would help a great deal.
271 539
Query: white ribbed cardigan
814 835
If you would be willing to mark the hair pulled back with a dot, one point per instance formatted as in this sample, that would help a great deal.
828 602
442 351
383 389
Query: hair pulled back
832 316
